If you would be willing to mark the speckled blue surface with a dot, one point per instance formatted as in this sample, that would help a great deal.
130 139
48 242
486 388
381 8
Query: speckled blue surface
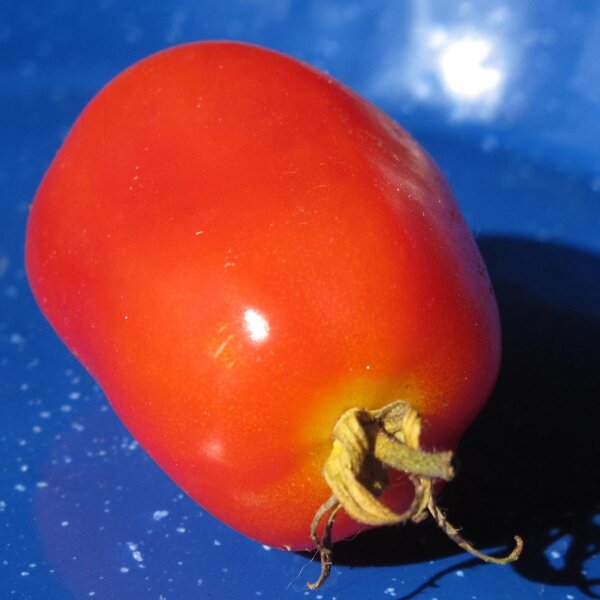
506 97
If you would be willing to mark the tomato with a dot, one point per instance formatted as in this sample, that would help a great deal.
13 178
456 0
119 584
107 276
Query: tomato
239 249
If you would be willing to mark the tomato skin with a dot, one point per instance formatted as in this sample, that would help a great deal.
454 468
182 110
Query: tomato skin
239 249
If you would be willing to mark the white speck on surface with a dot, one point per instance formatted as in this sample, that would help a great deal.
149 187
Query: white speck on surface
77 426
489 143
390 591
181 530
216 543
24 468
74 396
4 262
124 570
2 505
64 524
175 27
555 554
24 573
11 291
135 553
41 484
36 429
199 582
45 414
160 514
265 547
17 339
229 259
20 487
460 573
66 408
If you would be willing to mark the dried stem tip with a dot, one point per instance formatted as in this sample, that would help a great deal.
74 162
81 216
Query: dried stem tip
366 444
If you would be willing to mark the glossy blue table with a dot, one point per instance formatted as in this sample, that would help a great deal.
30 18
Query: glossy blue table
506 98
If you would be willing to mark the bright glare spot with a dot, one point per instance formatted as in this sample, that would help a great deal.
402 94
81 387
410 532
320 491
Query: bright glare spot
256 325
464 68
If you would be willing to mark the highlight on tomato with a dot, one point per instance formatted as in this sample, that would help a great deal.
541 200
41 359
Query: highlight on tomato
273 285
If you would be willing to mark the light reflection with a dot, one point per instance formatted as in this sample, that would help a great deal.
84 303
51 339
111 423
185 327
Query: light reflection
256 325
465 69
462 67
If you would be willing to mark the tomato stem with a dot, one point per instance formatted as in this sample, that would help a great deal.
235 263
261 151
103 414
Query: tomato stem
324 545
440 518
366 445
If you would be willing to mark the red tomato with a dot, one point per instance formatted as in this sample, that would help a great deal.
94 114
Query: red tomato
239 249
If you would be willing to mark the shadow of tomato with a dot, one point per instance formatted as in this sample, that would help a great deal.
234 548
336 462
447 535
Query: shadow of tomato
529 463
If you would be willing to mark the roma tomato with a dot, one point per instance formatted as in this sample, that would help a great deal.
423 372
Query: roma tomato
240 249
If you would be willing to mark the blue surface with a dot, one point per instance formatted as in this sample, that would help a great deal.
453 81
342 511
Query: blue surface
506 98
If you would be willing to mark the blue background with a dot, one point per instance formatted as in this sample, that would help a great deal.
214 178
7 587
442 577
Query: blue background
506 98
